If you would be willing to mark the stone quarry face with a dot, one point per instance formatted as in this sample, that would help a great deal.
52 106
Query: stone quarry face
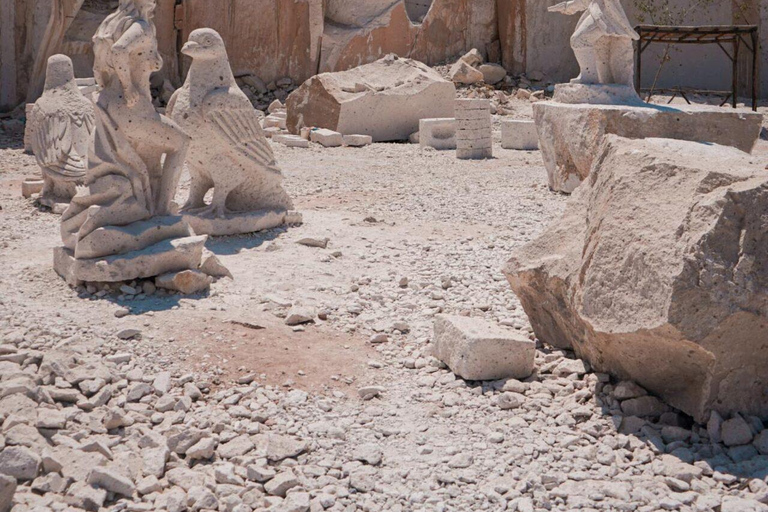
657 273
385 99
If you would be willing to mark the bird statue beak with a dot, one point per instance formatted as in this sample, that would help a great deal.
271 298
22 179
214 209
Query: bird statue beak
189 48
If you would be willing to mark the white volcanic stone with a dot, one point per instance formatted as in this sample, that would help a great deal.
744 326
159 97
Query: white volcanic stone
437 133
111 240
570 135
63 121
292 141
736 431
517 134
326 138
7 490
111 481
19 462
384 99
31 186
476 349
463 73
664 229
246 222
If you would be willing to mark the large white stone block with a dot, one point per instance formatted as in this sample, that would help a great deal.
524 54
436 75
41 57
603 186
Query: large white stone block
384 99
438 133
570 134
476 349
517 134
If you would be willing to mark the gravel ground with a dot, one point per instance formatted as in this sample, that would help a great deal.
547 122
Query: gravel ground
148 401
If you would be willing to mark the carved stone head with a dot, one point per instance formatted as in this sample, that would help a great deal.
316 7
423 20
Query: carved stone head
204 43
59 72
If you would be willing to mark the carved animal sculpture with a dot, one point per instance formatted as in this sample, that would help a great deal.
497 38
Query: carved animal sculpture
229 152
64 125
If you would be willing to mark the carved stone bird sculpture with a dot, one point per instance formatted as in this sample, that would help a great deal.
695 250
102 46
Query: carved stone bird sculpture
229 151
63 127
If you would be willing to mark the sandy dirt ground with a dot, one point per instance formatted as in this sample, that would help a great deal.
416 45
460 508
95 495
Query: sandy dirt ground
412 233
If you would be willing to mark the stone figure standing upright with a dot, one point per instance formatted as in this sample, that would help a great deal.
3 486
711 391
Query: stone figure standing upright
128 179
64 123
602 41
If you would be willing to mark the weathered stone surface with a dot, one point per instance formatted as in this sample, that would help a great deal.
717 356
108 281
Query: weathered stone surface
384 99
492 73
357 141
246 222
476 349
520 135
473 129
570 134
462 73
62 122
438 133
167 256
7 490
19 462
185 281
653 273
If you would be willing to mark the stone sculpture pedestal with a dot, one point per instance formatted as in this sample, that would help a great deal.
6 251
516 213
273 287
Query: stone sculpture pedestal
241 223
139 250
570 133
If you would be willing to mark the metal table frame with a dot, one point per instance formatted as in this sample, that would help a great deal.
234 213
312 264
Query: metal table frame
736 35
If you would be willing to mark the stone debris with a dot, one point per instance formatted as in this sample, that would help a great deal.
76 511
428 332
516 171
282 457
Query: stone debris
31 186
357 141
186 281
667 296
438 133
292 141
326 138
476 349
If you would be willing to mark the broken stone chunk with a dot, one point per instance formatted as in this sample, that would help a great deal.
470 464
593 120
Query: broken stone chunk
476 349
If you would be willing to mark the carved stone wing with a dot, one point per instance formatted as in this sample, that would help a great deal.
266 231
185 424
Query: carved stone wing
55 148
238 126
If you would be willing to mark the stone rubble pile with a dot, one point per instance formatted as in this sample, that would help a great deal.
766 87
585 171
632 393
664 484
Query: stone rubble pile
86 424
